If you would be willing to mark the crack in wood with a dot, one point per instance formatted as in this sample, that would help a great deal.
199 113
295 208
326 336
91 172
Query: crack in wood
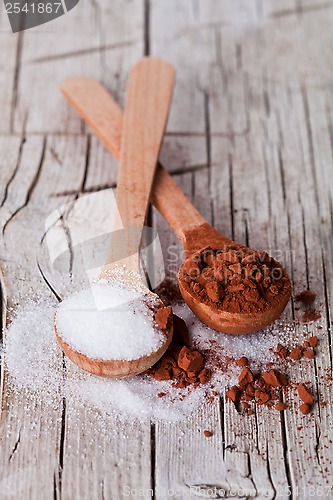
301 10
285 454
30 190
13 173
82 52
146 29
327 310
153 459
15 446
268 469
231 196
209 153
318 434
249 474
93 189
222 424
55 156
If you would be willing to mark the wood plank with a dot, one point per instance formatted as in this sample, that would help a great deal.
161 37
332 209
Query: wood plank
10 50
30 424
176 33
256 124
94 449
112 39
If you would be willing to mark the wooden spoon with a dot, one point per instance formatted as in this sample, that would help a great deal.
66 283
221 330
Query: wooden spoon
97 108
146 111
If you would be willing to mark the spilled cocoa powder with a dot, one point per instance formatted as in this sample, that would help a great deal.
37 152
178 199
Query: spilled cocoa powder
236 279
186 367
181 364
307 299
267 389
207 434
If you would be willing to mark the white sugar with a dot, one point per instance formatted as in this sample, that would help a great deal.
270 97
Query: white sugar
35 363
110 321
32 352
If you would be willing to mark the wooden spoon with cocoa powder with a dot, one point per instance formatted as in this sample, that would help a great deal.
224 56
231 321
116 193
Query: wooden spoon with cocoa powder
230 287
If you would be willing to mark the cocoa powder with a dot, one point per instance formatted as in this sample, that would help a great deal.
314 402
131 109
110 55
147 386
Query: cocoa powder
307 297
181 364
274 378
243 361
208 434
309 316
296 353
233 394
305 395
311 341
280 406
305 408
236 279
163 317
186 367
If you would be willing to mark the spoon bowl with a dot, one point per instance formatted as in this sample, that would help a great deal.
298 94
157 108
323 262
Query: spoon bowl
114 368
231 322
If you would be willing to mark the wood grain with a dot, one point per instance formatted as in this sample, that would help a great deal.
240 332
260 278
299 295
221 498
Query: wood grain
249 141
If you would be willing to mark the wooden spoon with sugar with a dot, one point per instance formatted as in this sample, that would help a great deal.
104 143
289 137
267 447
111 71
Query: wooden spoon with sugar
110 329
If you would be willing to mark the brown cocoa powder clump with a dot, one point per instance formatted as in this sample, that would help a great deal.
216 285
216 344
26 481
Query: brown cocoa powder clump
190 361
307 297
274 378
282 351
163 317
305 408
296 352
181 364
235 279
245 377
309 316
233 394
243 361
311 341
305 395
309 353
263 396
208 434
280 406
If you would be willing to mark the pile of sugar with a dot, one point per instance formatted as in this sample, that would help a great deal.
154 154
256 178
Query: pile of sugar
35 362
110 321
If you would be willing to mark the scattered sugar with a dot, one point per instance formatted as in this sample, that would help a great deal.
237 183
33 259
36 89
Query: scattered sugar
110 321
35 363
32 353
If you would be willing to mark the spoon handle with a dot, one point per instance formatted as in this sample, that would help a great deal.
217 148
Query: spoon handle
148 100
97 107
147 107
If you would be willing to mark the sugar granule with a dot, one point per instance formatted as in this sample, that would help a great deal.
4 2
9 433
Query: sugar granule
110 321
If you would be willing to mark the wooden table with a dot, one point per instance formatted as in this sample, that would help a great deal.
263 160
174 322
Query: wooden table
250 140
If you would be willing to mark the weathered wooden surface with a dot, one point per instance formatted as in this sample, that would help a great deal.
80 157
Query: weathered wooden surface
250 141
